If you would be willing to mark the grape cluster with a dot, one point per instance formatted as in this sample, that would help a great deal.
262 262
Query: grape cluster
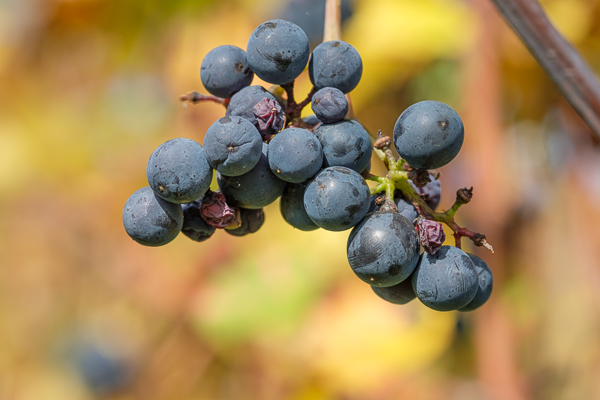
261 150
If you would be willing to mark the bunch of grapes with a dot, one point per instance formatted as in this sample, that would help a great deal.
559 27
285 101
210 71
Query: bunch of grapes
263 150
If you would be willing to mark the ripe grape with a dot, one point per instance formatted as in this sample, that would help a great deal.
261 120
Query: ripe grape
194 226
312 120
105 372
295 155
242 103
337 198
485 282
329 105
345 144
225 71
446 280
278 51
335 64
402 293
252 220
383 250
404 206
150 220
292 207
310 14
431 193
428 134
178 171
232 145
367 168
256 188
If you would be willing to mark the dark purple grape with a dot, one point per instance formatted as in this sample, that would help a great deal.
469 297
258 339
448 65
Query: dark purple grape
150 220
269 116
312 120
232 145
278 51
194 226
329 105
252 220
215 210
431 193
485 283
255 189
345 144
431 235
225 71
402 293
178 171
367 168
242 103
429 134
292 207
335 64
404 206
383 250
446 280
295 155
104 371
310 14
337 198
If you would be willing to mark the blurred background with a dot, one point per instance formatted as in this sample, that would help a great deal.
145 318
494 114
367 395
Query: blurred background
89 88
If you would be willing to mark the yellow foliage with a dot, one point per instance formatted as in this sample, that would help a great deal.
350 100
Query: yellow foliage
572 18
395 37
356 334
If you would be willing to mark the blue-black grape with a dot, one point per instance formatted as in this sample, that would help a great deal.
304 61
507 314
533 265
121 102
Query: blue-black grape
485 282
310 14
337 198
402 293
178 171
367 169
225 71
295 155
431 193
312 120
292 207
194 226
232 145
404 206
446 280
335 64
150 220
428 134
383 250
329 105
104 372
278 51
242 103
345 144
255 189
252 220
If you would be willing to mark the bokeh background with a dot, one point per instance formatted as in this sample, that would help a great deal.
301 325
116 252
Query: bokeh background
88 89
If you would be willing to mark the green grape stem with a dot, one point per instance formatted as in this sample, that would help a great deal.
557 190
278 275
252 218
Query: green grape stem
397 178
